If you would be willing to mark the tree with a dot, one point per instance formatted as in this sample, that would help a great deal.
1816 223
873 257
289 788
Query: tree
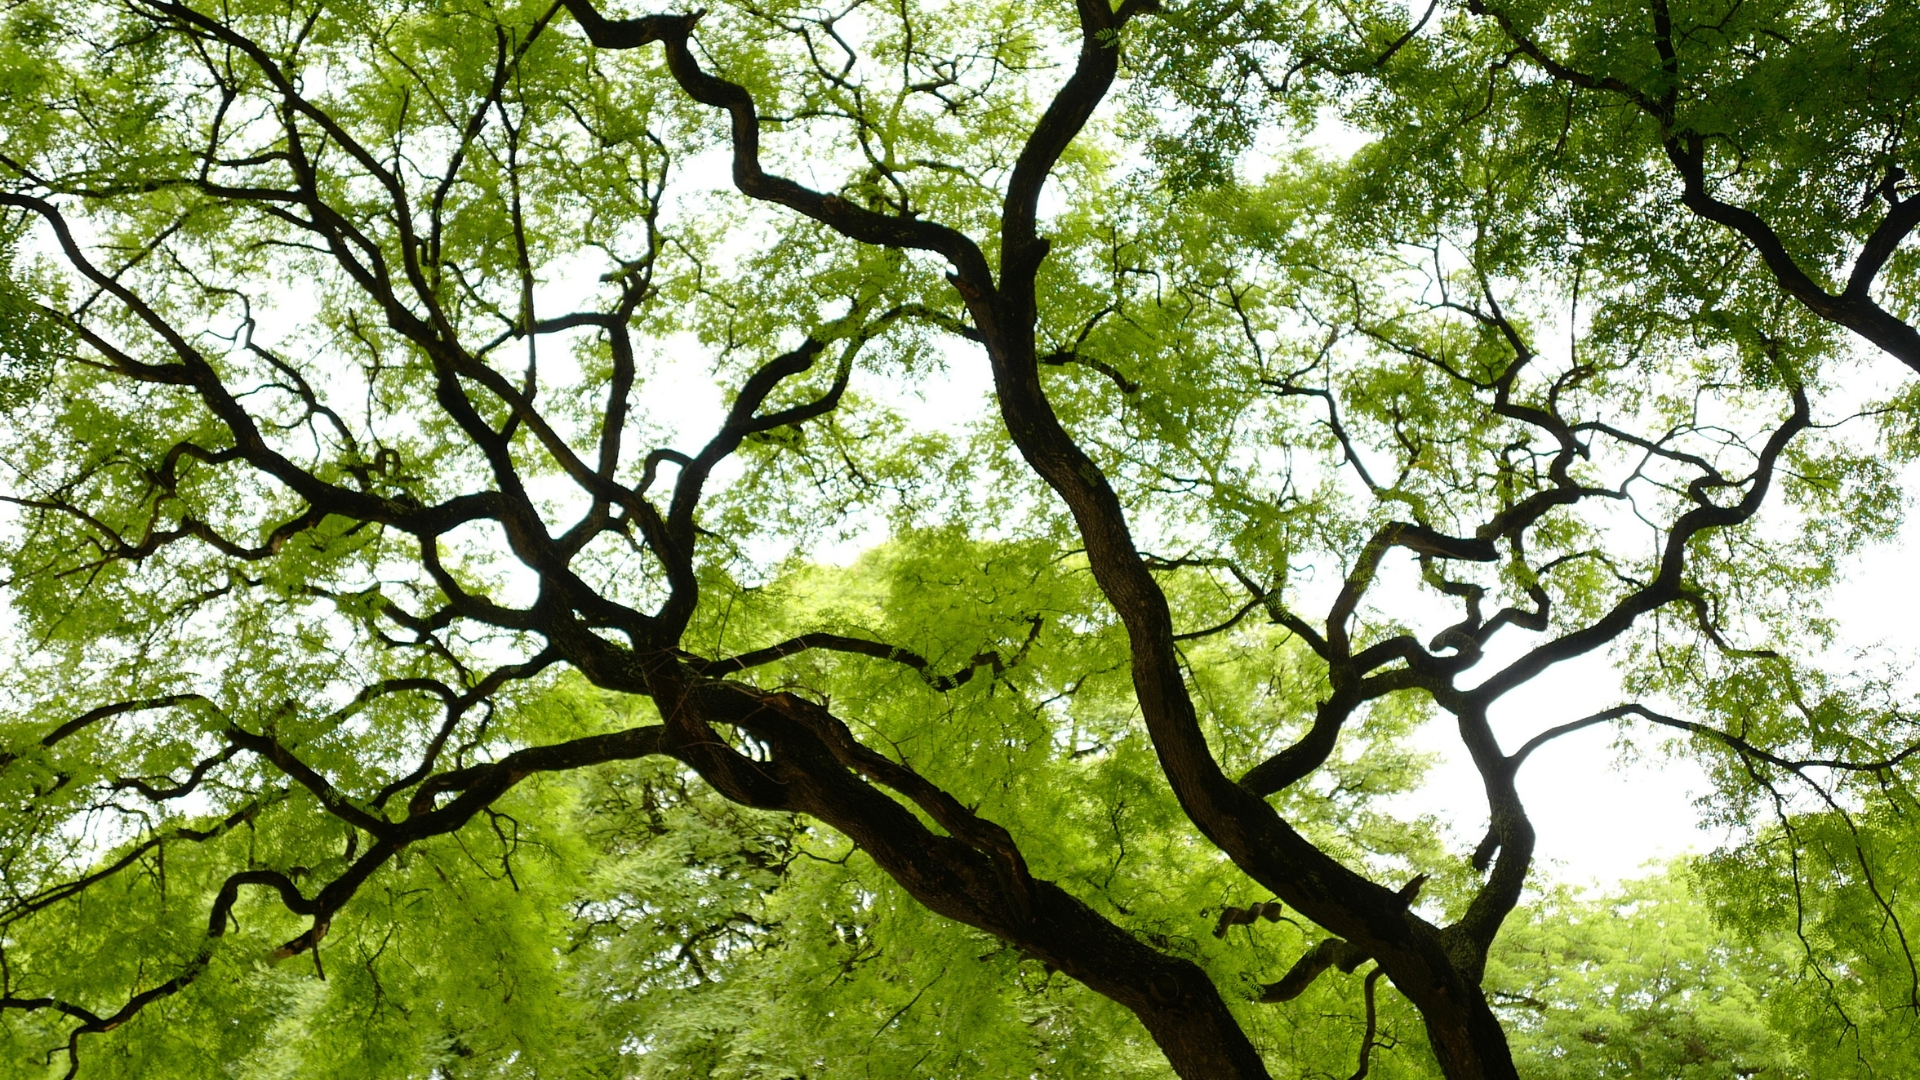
1647 981
355 526
1640 983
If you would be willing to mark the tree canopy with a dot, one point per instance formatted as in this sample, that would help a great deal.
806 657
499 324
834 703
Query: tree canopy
912 539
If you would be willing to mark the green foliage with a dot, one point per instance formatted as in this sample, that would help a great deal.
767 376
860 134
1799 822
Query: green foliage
445 524
1843 982
31 339
1641 982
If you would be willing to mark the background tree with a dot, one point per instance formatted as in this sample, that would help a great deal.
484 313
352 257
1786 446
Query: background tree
1640 983
362 549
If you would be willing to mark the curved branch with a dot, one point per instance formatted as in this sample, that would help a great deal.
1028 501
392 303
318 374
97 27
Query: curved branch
1668 582
672 32
864 647
1853 307
1732 741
